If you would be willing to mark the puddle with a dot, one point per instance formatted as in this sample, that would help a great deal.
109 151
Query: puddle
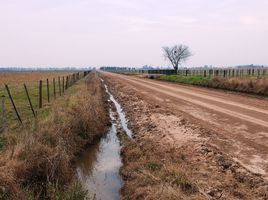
98 168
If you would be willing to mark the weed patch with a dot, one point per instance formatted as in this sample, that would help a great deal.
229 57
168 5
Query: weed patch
181 181
153 166
74 191
2 143
149 168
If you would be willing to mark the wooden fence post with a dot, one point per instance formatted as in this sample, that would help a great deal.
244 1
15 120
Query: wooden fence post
13 103
29 100
63 85
48 97
67 82
54 88
40 94
59 85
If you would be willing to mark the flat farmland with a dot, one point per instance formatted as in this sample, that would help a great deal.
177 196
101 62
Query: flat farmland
29 76
16 81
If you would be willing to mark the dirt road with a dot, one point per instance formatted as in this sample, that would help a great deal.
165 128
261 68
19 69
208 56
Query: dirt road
240 121
236 125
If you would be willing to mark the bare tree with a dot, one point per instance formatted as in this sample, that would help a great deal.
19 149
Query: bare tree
177 54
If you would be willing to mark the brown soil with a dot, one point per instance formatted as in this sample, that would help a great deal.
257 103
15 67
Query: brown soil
37 162
191 143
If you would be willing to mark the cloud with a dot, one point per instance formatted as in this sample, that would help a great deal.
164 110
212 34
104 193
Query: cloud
250 21
80 32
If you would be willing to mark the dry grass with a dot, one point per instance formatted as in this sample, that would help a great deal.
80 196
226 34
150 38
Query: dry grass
155 172
40 156
253 85
248 85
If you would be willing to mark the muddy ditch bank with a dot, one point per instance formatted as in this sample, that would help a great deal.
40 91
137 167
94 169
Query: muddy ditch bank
172 157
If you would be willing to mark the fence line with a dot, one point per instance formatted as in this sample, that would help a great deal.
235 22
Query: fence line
59 85
29 100
206 72
40 94
63 85
13 103
48 95
67 82
54 88
229 72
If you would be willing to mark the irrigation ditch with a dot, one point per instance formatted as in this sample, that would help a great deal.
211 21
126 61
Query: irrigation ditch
43 164
98 168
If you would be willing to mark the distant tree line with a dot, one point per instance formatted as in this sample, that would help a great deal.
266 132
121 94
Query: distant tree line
115 68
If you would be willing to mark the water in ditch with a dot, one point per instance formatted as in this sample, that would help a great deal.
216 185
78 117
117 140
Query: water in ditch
98 168
119 110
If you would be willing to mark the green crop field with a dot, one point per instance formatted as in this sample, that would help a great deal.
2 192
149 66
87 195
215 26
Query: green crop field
195 80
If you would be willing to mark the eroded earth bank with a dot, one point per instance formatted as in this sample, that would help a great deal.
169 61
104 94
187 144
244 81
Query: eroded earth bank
174 155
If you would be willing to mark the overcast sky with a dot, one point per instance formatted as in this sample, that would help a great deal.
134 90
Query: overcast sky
131 32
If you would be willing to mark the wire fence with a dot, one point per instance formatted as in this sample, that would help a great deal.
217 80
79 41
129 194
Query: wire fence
20 102
223 72
250 72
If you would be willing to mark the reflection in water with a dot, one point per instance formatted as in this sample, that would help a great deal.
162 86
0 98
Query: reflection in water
98 168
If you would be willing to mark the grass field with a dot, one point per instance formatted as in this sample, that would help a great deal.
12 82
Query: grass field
29 76
15 81
252 85
195 80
